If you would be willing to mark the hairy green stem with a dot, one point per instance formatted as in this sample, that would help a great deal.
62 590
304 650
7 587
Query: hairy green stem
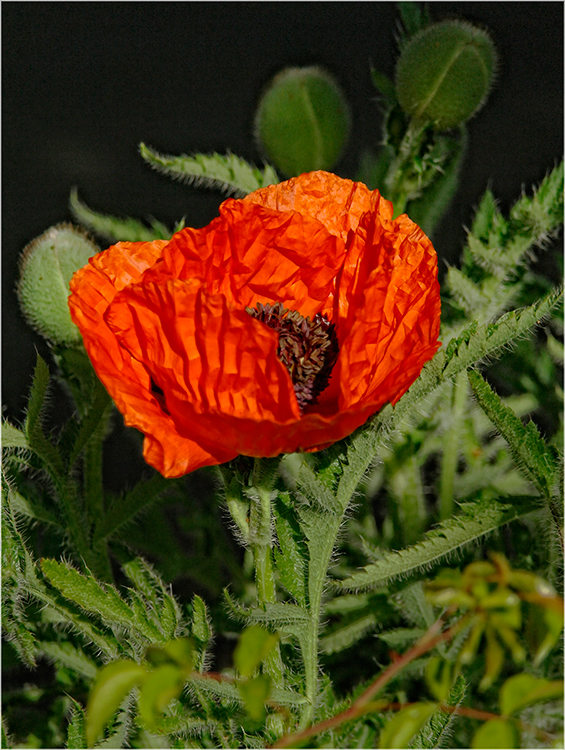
265 471
451 446
309 644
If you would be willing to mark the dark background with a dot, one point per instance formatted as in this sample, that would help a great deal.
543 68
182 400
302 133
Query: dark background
84 83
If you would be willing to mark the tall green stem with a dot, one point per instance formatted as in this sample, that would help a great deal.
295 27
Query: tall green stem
321 545
264 475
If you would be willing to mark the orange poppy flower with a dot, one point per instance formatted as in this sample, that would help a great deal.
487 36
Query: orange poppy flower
282 326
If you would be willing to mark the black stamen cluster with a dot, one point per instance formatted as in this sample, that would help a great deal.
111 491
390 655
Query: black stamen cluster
307 348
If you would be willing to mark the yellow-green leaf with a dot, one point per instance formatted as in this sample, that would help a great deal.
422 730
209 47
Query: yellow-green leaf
497 733
113 683
159 688
400 730
523 690
253 647
255 693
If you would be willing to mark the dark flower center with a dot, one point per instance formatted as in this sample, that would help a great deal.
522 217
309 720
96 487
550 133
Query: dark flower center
307 348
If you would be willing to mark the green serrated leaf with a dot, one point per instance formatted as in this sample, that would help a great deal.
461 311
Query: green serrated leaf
200 623
405 724
66 613
114 228
230 173
66 654
524 690
36 439
465 292
315 492
500 246
279 615
26 507
99 410
437 729
476 521
401 637
76 731
87 592
112 685
125 508
346 635
484 216
157 603
97 598
228 691
120 728
291 561
527 447
12 437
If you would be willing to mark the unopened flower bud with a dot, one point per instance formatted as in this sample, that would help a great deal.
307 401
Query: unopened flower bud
445 72
46 267
302 121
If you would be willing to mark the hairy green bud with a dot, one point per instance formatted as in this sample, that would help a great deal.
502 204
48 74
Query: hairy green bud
445 73
46 267
302 121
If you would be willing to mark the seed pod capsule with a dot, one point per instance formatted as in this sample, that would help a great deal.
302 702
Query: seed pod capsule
445 73
46 267
302 121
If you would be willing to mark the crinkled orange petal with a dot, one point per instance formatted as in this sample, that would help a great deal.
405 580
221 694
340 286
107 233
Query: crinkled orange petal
337 203
251 254
93 288
389 311
165 323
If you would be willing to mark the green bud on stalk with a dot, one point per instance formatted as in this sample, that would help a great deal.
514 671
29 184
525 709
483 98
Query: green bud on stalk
445 73
302 121
46 267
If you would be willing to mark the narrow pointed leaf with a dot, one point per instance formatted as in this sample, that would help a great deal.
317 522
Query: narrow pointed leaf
476 521
114 228
96 598
124 509
437 730
76 731
346 635
66 654
12 437
37 441
292 559
227 172
530 452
